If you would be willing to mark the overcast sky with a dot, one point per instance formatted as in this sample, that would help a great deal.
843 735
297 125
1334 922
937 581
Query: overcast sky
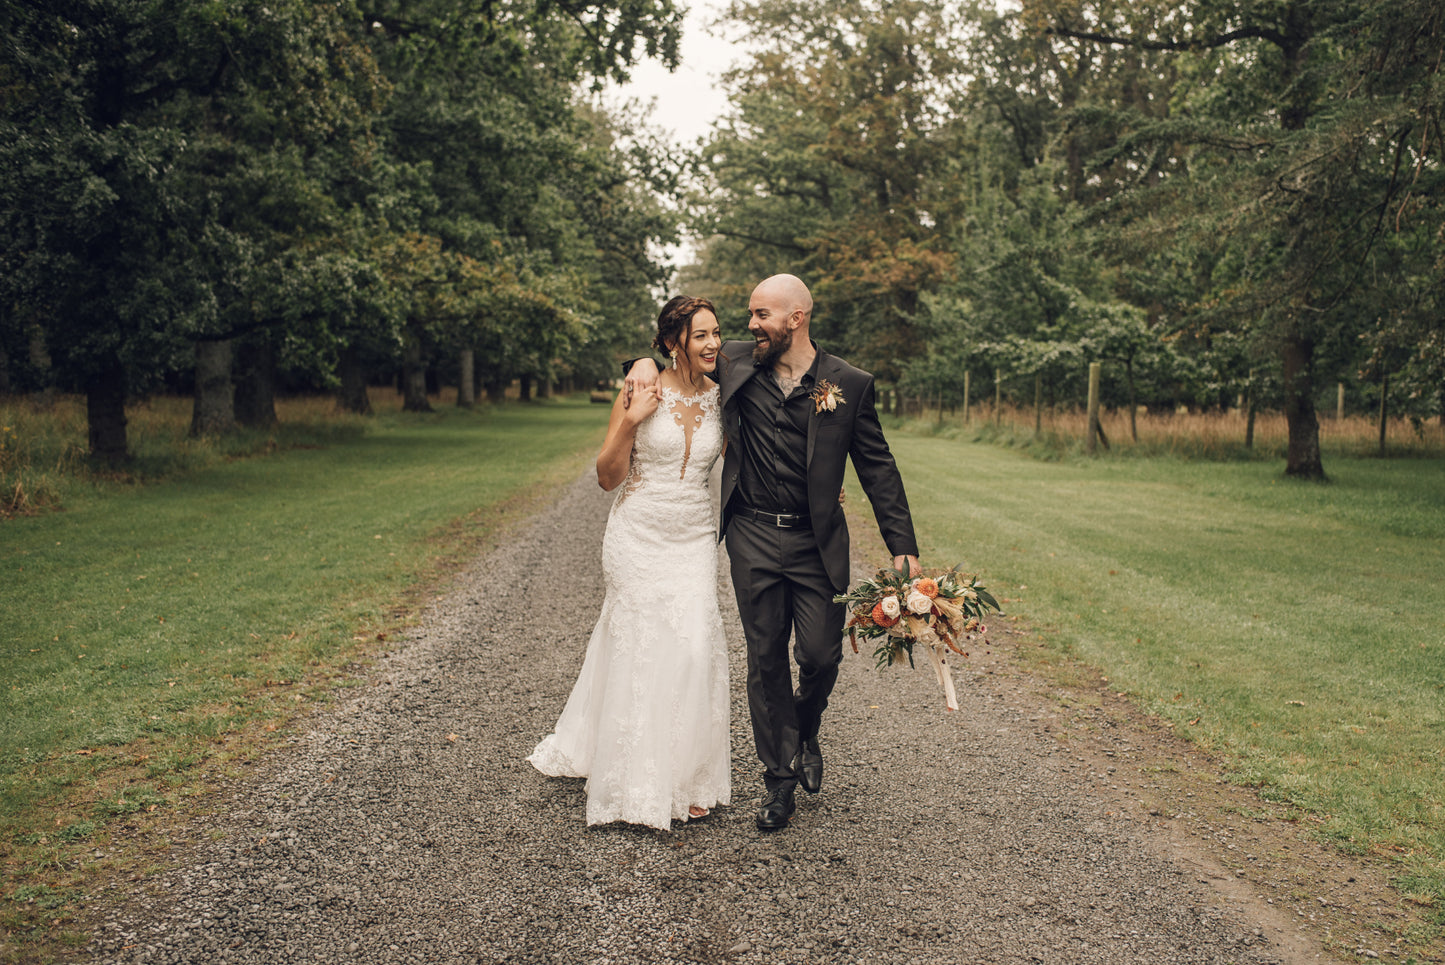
686 101
690 98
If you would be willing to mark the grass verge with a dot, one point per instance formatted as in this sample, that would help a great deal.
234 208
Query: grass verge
1291 628
156 635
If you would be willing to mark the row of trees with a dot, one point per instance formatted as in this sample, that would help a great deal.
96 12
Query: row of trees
318 190
1225 197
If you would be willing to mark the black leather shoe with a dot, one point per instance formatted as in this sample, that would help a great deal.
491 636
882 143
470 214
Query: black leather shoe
777 807
808 765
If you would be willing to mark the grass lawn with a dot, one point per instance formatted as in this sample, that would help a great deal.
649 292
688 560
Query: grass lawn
143 627
1295 627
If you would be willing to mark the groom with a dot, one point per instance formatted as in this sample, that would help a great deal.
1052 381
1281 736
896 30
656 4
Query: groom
793 415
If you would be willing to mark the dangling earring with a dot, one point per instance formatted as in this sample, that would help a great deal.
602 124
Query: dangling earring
673 353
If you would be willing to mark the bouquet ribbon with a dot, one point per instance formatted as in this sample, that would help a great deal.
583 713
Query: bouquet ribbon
945 677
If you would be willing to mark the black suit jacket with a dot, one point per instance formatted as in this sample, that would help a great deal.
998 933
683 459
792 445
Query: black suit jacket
850 431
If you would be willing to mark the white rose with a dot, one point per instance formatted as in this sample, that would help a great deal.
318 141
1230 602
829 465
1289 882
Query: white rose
890 606
919 603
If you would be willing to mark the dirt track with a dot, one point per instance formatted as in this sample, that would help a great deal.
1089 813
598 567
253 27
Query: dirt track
1035 825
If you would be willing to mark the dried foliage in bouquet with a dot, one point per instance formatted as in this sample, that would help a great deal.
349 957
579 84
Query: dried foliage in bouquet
942 611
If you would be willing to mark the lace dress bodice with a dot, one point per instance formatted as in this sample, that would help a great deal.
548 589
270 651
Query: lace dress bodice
675 448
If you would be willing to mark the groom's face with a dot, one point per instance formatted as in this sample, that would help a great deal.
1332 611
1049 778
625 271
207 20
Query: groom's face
768 323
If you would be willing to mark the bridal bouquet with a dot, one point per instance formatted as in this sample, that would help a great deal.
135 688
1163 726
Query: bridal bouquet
939 611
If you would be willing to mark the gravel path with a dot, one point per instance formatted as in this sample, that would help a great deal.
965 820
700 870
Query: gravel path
407 827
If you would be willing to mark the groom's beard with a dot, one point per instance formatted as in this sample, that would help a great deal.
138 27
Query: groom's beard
766 355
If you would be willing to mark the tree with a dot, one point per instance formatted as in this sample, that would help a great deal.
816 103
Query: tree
136 134
834 165
503 164
1293 132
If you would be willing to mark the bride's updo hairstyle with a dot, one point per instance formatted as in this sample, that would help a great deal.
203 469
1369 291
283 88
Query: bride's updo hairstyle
675 322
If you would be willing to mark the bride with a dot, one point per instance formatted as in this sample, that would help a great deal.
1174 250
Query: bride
647 721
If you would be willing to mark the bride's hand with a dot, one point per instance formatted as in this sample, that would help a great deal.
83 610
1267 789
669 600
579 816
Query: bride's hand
644 402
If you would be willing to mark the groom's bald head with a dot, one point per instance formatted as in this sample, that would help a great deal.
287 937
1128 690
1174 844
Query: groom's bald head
788 293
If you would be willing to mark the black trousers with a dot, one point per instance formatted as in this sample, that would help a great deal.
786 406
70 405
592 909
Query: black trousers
783 591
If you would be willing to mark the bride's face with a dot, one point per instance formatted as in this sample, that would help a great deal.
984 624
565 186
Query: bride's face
704 341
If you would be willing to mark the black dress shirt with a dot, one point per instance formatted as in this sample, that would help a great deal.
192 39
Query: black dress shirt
773 473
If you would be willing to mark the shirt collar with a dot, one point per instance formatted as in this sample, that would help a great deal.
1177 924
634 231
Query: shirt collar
811 376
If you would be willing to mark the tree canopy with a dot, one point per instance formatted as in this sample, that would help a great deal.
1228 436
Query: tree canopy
1215 195
1219 198
327 188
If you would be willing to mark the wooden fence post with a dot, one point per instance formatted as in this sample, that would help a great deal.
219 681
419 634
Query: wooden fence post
966 380
1038 403
1339 400
1093 441
998 397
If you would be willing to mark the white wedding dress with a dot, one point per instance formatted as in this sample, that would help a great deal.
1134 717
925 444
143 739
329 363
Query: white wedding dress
647 721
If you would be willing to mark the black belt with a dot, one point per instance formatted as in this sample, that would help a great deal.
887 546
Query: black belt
780 520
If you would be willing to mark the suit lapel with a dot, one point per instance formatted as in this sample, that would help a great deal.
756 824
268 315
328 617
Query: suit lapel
739 369
827 370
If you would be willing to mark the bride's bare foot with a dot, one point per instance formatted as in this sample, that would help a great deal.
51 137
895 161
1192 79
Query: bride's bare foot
696 812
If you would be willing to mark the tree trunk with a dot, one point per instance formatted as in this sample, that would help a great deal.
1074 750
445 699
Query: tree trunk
1251 406
352 394
1384 408
105 415
525 388
214 410
40 361
544 387
496 389
255 374
1133 402
1302 459
413 377
466 379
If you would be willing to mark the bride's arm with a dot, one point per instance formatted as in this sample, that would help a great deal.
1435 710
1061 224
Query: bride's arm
616 455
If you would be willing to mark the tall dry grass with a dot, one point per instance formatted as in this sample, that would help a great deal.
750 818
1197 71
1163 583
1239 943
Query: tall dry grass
1192 435
43 449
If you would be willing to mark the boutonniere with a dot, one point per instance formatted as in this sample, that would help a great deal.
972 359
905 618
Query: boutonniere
827 396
